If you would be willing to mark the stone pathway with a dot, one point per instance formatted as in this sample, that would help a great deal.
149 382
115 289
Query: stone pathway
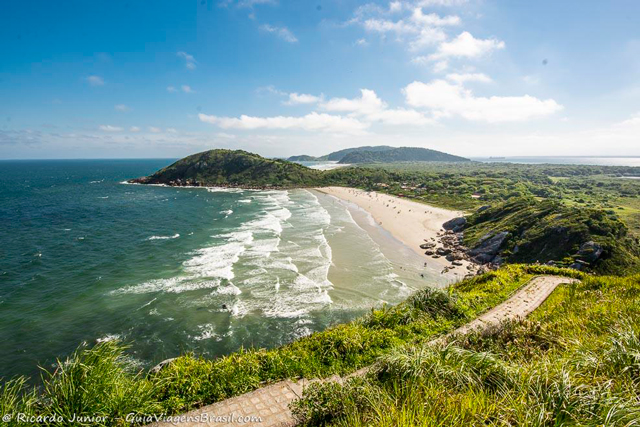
269 406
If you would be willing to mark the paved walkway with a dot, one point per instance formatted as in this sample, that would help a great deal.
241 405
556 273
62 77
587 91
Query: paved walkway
269 406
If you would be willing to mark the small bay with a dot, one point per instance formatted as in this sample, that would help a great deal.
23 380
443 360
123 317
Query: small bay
86 258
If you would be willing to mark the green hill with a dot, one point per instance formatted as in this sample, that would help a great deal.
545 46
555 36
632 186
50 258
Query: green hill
402 154
233 168
302 158
529 230
382 154
336 156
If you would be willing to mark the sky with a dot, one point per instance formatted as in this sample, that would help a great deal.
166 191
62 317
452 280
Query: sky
132 79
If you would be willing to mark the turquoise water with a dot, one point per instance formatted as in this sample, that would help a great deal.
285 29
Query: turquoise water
84 258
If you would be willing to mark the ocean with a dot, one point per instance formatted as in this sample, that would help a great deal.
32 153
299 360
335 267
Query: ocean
565 160
86 258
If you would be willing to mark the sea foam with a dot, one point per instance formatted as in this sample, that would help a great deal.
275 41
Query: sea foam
175 236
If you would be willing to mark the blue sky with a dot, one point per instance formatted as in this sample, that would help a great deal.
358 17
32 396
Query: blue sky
165 79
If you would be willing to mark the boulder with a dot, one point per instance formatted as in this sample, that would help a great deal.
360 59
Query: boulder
428 245
443 251
485 251
579 265
456 263
161 365
455 256
576 266
456 224
590 252
429 252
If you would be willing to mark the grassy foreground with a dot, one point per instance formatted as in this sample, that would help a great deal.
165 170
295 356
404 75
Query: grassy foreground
574 361
101 381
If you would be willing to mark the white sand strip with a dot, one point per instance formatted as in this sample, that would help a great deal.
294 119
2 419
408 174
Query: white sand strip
410 222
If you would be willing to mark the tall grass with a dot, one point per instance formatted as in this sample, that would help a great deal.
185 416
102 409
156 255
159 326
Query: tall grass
575 362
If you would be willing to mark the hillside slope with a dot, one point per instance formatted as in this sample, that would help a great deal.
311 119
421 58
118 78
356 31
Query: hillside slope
529 230
402 154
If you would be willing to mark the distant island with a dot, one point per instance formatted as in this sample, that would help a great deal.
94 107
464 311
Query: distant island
382 154
233 168
403 154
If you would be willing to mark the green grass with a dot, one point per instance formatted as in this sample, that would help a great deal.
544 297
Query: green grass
102 381
575 361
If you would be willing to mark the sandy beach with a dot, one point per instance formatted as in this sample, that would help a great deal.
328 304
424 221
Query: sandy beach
410 222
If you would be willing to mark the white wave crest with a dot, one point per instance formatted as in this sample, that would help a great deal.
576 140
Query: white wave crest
175 236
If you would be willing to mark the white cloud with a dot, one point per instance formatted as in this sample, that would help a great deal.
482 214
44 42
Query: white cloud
466 46
302 98
440 66
634 121
95 80
190 61
418 30
444 99
171 130
369 107
400 117
154 129
427 3
419 18
225 135
272 90
395 6
121 107
283 32
171 89
109 128
246 3
361 42
134 129
368 103
187 89
312 122
468 77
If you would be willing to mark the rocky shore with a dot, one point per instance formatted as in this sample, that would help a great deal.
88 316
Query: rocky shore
189 183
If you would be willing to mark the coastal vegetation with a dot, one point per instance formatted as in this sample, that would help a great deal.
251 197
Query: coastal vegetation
103 381
574 361
549 231
539 213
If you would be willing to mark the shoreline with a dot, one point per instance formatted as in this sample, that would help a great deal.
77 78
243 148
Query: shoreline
412 223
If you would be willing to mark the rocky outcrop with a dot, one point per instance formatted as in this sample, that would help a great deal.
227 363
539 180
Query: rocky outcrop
160 366
487 250
590 252
456 224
